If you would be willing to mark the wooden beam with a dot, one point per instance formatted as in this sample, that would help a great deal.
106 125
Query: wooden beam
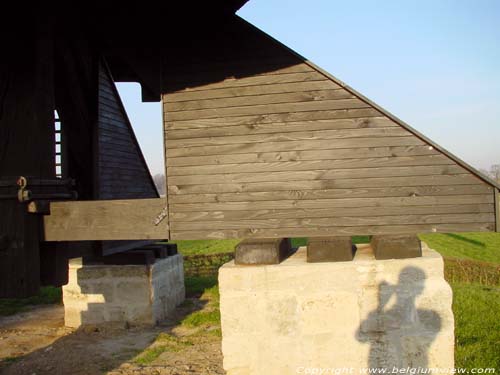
133 219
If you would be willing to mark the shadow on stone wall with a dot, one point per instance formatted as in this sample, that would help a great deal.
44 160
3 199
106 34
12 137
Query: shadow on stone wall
399 333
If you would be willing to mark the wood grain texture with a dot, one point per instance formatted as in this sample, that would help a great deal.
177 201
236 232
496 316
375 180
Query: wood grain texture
341 221
302 155
212 233
281 166
315 135
380 203
275 118
265 109
357 192
304 145
106 220
335 124
348 183
269 214
313 175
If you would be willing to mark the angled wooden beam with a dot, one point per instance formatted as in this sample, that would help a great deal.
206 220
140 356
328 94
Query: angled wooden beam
131 219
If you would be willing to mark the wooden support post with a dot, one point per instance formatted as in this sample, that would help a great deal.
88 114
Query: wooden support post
257 251
396 246
330 249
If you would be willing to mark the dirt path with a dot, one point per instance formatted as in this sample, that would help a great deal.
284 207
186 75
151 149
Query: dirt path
36 342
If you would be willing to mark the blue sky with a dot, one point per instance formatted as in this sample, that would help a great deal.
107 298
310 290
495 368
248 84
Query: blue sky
434 64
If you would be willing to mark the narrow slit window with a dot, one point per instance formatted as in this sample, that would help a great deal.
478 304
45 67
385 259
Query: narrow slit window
58 157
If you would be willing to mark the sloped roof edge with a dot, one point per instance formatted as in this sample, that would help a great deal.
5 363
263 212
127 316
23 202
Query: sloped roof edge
394 118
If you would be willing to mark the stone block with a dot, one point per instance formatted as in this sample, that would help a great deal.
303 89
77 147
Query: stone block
131 257
91 273
396 246
282 318
255 251
133 294
330 249
128 271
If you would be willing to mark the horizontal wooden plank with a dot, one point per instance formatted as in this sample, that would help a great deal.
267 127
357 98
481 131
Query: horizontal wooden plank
348 183
311 175
313 135
190 95
339 124
380 203
237 101
257 80
367 192
106 220
264 214
265 109
342 221
277 118
324 144
429 160
286 156
334 231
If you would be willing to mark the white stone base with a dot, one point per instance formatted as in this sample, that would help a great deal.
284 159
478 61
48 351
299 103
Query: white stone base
135 294
299 317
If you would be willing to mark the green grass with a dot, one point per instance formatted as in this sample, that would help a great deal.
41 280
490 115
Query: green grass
208 290
196 285
47 295
192 247
474 246
202 318
477 332
163 343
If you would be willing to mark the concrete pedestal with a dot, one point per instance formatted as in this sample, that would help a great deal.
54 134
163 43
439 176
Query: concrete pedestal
310 318
134 294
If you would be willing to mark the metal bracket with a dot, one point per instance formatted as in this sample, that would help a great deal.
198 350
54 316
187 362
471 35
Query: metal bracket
163 214
23 194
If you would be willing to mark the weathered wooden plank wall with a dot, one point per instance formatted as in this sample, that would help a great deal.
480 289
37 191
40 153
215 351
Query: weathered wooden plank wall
122 170
260 143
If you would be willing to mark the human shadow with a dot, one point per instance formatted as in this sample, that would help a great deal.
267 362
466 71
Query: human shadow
400 334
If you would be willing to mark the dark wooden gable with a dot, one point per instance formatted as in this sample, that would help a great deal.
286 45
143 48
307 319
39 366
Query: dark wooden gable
262 143
122 170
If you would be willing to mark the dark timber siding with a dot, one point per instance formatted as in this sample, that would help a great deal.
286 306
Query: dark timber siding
261 143
122 171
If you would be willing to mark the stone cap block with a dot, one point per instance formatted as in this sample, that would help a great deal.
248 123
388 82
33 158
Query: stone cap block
396 246
330 249
255 251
